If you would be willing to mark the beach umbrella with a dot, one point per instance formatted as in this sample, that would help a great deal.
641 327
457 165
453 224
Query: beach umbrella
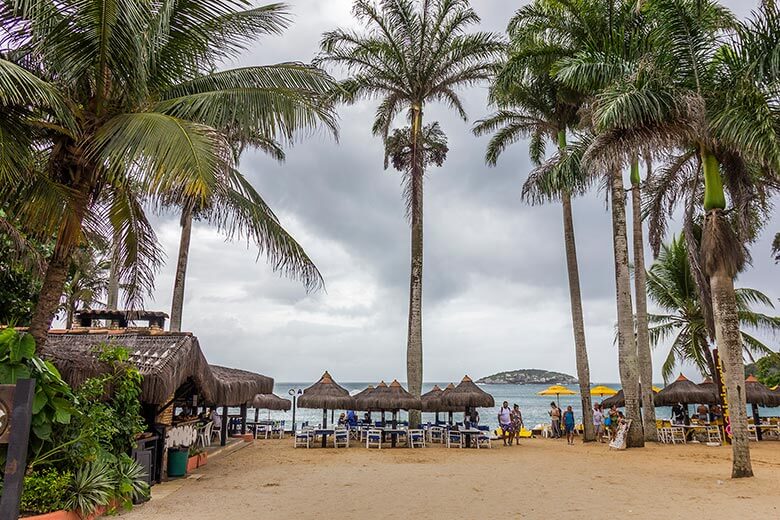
602 390
557 391
359 396
432 403
684 391
756 393
467 396
391 398
619 399
327 395
449 388
270 402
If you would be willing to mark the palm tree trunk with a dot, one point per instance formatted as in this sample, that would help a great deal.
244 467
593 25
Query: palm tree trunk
177 303
722 258
112 300
578 325
644 356
575 300
627 354
414 358
69 312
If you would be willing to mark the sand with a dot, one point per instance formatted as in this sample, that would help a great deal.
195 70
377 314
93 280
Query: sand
540 479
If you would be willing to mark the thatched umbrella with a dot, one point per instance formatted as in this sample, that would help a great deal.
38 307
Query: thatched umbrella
684 391
327 395
467 396
619 399
450 409
270 402
391 398
432 403
756 393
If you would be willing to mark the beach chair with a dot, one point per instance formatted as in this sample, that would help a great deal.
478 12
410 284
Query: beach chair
483 441
374 438
263 430
436 435
341 438
713 435
278 429
204 434
415 439
752 433
454 438
303 439
665 434
677 435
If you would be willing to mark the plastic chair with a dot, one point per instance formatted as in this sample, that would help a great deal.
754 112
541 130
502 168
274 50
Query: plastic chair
713 434
374 438
483 440
262 429
454 438
204 434
302 439
436 434
415 439
678 435
341 438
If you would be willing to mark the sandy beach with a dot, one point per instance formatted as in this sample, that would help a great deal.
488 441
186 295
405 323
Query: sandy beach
271 479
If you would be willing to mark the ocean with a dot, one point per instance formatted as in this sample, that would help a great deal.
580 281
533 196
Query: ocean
533 407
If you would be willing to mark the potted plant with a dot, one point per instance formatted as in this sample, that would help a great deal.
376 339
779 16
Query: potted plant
194 458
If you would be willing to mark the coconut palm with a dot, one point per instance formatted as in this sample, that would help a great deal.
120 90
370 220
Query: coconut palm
117 104
539 109
86 282
410 54
672 288
565 33
707 90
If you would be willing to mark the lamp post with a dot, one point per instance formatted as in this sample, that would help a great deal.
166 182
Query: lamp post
294 393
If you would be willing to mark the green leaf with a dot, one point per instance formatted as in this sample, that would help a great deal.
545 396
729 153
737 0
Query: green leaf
27 345
62 416
39 401
42 431
9 374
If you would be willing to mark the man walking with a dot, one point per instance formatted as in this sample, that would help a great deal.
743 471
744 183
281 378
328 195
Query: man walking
505 421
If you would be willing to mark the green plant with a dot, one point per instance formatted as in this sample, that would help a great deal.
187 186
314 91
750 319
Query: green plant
45 491
129 482
195 450
768 369
91 487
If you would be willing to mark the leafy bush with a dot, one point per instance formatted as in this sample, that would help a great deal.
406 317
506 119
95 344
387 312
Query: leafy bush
768 369
45 491
129 482
91 487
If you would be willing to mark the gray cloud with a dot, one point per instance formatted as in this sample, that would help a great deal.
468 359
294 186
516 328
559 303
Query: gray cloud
496 293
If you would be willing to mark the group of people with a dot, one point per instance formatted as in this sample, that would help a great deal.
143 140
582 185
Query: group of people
607 421
511 422
567 417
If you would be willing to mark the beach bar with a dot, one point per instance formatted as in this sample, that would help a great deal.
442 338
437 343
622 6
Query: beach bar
176 377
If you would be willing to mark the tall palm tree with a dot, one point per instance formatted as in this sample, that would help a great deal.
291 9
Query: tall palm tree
86 282
116 103
410 54
539 109
672 288
566 32
707 84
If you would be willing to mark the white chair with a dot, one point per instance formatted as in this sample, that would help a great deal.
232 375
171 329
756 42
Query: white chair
713 434
665 435
204 435
677 435
454 438
263 430
278 429
752 433
341 438
436 435
303 439
415 439
374 438
483 440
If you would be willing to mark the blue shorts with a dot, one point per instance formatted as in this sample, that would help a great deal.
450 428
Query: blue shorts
569 428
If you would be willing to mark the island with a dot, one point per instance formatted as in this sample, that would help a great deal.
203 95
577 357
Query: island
529 376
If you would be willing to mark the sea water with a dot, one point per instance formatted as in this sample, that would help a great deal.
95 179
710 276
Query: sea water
534 407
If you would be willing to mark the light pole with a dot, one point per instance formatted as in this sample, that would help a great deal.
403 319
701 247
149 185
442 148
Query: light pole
294 393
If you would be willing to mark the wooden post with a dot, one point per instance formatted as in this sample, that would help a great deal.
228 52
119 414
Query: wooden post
19 435
225 425
757 421
243 419
257 415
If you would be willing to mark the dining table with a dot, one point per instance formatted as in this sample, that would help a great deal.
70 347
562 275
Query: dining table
468 433
393 433
324 432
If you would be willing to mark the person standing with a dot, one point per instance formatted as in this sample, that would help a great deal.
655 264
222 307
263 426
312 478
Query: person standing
598 422
614 420
568 424
505 421
555 417
517 424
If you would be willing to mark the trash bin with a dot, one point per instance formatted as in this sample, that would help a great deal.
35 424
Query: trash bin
177 461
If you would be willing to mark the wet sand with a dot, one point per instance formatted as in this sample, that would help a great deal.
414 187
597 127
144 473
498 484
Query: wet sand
540 479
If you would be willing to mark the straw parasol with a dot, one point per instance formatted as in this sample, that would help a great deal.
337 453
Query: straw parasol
602 390
328 395
619 399
271 402
684 391
758 394
557 391
467 395
449 388
391 398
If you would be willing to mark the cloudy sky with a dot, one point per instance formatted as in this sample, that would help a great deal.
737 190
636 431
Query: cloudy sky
495 289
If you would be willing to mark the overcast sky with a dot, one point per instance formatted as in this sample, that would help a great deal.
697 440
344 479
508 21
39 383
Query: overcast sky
495 287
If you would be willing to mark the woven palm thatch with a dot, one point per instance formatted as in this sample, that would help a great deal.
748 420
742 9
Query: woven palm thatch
758 393
391 398
467 395
685 391
619 400
326 394
166 360
271 402
431 401
360 403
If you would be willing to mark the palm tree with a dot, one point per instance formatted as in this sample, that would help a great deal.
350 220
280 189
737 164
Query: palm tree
672 288
411 53
86 282
566 33
707 83
113 106
541 110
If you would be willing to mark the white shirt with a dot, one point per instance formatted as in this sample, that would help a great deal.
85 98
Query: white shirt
503 415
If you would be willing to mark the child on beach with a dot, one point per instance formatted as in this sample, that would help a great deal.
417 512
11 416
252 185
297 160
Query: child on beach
568 423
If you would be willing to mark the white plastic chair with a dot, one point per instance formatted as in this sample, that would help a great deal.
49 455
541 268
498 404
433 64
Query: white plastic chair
454 438
263 430
752 433
678 435
713 434
436 435
302 439
278 429
341 438
483 440
374 438
204 435
415 439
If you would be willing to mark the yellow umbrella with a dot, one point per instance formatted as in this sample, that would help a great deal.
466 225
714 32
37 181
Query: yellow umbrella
601 391
557 391
656 389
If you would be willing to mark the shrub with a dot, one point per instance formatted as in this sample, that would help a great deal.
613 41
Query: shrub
45 491
91 487
129 482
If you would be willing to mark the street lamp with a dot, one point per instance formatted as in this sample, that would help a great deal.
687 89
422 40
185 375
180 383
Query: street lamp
294 393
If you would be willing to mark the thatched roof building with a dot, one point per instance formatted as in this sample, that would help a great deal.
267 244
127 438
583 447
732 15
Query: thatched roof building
431 401
467 395
326 394
167 361
390 398
271 402
758 393
686 392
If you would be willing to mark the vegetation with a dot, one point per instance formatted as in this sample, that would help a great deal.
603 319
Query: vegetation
409 55
45 491
768 369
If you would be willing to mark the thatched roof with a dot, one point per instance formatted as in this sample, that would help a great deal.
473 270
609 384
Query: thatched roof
467 395
431 401
619 400
271 402
686 392
326 394
758 393
360 403
166 360
393 397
